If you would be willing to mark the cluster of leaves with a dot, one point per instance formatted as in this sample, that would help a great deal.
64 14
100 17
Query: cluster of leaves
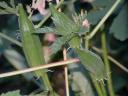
64 27
6 9
71 33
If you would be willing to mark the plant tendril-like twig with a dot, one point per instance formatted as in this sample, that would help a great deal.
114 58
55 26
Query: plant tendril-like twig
44 66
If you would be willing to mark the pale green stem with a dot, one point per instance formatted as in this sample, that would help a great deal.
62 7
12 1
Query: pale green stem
103 89
97 86
86 43
114 61
36 68
94 31
107 65
30 15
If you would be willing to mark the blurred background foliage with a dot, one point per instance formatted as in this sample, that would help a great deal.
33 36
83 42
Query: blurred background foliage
116 28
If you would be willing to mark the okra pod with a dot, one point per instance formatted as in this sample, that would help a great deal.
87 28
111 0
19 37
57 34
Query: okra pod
32 45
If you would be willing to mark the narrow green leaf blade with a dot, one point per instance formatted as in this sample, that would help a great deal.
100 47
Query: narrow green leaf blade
3 12
57 45
47 30
12 93
3 4
6 9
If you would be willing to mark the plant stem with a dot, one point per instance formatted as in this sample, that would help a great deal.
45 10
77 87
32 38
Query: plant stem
66 73
117 63
86 43
103 89
106 61
94 31
97 86
49 14
38 68
10 39
30 15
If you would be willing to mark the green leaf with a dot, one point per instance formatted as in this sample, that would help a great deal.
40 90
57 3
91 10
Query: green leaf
119 27
47 30
12 93
83 30
93 63
5 38
57 45
17 61
75 42
6 9
3 11
63 24
3 45
3 4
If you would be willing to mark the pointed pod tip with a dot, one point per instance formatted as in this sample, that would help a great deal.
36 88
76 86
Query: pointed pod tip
20 7
21 11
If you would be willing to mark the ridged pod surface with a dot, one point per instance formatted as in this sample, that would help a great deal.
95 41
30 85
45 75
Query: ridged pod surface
31 45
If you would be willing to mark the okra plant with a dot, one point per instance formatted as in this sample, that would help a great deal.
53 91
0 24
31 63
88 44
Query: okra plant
72 34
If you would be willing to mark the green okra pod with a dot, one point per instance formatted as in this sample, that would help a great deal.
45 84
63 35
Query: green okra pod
32 45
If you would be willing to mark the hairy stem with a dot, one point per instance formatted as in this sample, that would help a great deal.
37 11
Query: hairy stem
106 61
97 86
103 89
